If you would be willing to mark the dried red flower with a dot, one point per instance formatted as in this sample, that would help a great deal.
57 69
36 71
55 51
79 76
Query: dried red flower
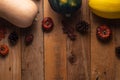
47 24
103 33
4 50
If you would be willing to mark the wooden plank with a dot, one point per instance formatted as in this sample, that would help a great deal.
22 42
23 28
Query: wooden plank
54 47
10 66
102 55
32 55
116 24
79 50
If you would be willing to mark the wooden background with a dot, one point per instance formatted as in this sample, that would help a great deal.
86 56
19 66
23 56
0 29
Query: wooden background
53 56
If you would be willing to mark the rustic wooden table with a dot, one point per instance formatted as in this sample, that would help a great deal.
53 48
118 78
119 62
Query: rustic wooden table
53 56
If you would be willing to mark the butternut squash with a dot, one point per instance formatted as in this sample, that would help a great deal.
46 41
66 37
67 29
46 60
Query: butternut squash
19 12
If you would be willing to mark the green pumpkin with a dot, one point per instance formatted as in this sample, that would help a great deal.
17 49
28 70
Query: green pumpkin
65 7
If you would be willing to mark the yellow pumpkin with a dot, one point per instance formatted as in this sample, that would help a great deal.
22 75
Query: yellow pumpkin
106 8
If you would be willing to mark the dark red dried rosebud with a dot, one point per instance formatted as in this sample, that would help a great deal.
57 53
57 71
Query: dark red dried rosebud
29 39
82 27
47 24
13 38
103 33
4 50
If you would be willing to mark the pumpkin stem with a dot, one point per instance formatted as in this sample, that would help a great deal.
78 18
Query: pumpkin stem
68 15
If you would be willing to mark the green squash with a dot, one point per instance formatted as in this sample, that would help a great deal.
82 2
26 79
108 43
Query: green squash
65 7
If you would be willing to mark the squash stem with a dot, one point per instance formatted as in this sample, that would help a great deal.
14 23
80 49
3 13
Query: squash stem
67 15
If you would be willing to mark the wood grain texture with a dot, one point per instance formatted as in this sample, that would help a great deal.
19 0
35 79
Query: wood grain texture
53 56
10 66
79 50
32 55
102 55
116 24
54 48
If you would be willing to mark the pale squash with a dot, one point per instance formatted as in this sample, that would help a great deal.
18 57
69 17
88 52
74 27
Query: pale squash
19 12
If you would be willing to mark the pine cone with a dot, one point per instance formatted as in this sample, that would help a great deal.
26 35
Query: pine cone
13 38
82 27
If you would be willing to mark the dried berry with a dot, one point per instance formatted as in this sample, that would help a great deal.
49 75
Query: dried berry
13 38
47 24
69 31
29 39
4 50
103 33
82 27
